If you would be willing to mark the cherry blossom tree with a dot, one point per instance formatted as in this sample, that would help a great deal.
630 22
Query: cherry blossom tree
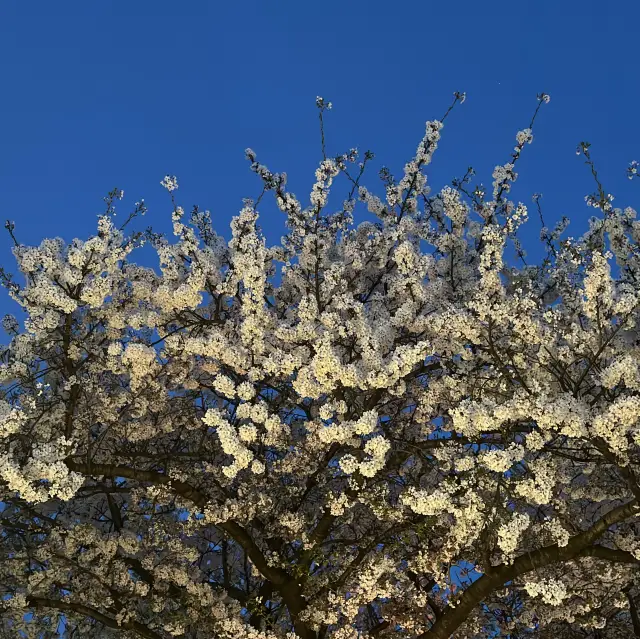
370 430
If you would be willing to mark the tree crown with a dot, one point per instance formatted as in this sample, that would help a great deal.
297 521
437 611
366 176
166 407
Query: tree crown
368 430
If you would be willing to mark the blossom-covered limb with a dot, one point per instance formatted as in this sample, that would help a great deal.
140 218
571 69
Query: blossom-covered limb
499 575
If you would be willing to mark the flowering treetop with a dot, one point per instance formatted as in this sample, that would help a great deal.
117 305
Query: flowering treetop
369 430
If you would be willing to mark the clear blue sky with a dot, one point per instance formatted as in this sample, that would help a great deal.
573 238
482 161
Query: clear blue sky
109 94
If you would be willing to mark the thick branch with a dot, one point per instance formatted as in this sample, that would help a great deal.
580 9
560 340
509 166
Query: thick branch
602 552
108 470
480 589
66 606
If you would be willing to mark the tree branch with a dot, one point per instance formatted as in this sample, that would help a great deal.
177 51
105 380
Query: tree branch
108 470
284 583
453 618
67 606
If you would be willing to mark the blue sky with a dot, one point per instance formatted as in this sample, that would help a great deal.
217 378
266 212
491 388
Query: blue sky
107 94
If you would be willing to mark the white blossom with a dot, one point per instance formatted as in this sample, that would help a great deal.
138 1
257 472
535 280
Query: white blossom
336 435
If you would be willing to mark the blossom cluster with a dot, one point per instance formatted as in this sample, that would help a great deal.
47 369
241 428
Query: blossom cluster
333 437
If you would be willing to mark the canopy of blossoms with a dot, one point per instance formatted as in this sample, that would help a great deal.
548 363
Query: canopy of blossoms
372 430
